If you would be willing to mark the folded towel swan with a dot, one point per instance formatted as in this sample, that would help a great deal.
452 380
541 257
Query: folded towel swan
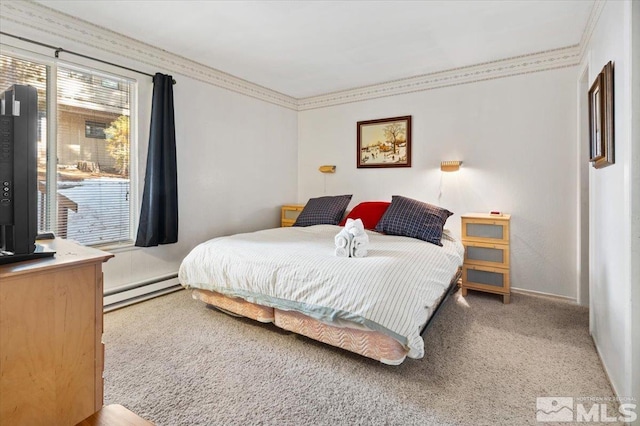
359 239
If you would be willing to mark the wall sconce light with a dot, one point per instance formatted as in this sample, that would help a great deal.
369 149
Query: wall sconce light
450 166
327 169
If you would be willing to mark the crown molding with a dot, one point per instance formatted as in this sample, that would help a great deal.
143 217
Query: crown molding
52 22
594 16
525 64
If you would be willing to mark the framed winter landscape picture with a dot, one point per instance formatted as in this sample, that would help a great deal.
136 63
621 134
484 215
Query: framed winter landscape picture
385 142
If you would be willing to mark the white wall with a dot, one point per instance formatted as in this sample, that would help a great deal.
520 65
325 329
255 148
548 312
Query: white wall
237 159
236 166
516 136
610 206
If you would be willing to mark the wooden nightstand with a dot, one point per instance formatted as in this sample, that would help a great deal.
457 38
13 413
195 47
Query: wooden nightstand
486 254
290 213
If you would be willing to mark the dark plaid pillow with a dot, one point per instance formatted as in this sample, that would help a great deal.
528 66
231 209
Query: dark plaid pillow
323 211
415 219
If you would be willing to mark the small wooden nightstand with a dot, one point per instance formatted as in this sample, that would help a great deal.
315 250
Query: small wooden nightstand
486 254
290 213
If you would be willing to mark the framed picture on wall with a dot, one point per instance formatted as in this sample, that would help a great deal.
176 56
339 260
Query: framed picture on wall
596 120
385 142
601 126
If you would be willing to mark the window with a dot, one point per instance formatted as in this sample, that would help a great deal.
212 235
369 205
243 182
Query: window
94 130
85 194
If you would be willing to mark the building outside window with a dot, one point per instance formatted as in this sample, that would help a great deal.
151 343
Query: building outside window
84 189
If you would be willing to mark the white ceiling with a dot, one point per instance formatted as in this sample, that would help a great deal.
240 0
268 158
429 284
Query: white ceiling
308 48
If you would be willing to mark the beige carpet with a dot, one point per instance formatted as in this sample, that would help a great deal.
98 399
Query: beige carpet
174 361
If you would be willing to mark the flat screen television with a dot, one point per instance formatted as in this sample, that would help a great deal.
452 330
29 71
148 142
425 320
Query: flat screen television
19 174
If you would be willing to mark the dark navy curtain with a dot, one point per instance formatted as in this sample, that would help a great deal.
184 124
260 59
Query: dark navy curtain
159 215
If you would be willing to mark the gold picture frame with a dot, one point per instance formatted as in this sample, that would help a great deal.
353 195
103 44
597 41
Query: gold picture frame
384 142
601 125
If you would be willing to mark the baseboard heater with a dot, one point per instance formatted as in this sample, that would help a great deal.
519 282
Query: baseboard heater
119 297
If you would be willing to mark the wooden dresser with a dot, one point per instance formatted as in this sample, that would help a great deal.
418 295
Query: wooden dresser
51 351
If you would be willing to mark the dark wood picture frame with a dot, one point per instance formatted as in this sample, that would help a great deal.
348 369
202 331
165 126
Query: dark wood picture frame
385 142
601 125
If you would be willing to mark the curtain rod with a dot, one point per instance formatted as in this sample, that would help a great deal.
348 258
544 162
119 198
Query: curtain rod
58 50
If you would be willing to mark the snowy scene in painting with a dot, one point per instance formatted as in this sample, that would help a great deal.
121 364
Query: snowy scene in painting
383 143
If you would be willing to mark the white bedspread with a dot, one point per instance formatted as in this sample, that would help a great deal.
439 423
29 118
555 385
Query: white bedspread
392 290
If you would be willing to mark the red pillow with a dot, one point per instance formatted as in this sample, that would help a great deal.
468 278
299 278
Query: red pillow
369 211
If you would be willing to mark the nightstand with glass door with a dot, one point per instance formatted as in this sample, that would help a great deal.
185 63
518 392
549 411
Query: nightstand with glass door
486 254
289 214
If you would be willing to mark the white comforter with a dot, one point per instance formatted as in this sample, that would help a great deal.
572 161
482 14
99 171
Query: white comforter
393 289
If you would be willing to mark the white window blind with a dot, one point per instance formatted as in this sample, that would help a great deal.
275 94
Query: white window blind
93 156
92 150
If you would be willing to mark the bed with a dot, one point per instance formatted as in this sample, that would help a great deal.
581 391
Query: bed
376 306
